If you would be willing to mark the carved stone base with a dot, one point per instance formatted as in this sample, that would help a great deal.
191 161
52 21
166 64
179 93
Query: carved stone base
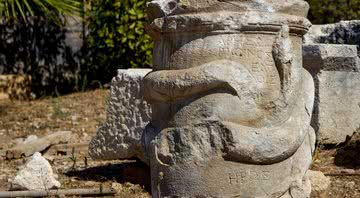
217 177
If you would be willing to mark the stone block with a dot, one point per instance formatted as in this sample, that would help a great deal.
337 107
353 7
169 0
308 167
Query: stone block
343 32
330 57
337 109
127 115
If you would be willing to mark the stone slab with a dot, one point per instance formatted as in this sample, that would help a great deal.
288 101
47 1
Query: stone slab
330 57
38 145
338 103
127 115
343 32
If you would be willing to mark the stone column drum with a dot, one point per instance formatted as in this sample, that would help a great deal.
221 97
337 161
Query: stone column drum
231 101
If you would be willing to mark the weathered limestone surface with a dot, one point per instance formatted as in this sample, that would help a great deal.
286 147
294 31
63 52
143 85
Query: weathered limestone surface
36 175
336 33
344 32
231 101
338 106
38 145
127 115
330 57
320 184
335 68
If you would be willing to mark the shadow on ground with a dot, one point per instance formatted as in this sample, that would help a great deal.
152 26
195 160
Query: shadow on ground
348 156
135 172
4 108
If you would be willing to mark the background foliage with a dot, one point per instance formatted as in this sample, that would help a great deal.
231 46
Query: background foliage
117 38
37 47
114 38
331 11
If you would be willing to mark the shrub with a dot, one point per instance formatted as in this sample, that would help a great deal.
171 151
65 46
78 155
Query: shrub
117 38
33 43
331 11
37 48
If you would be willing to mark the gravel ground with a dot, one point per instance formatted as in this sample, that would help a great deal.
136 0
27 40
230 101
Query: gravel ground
80 113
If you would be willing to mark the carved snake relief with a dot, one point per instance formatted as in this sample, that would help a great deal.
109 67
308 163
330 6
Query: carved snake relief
261 144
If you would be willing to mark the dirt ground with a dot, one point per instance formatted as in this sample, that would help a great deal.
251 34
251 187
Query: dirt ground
82 113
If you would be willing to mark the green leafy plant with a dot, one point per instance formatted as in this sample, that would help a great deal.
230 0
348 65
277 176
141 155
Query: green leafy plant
330 11
117 38
33 35
57 109
73 158
24 8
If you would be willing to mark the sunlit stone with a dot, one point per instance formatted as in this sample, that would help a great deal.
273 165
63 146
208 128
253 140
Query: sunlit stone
231 101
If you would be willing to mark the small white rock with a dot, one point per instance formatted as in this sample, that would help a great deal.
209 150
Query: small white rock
37 174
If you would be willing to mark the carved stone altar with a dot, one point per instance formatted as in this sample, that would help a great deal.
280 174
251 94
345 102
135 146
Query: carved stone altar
231 101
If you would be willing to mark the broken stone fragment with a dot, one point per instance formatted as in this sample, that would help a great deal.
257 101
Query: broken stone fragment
37 174
319 184
37 145
127 115
30 138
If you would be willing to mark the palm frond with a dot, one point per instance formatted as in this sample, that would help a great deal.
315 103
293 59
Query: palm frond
24 8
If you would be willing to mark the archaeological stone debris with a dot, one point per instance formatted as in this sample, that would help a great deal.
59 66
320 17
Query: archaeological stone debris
37 174
320 184
127 115
231 101
331 55
343 32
